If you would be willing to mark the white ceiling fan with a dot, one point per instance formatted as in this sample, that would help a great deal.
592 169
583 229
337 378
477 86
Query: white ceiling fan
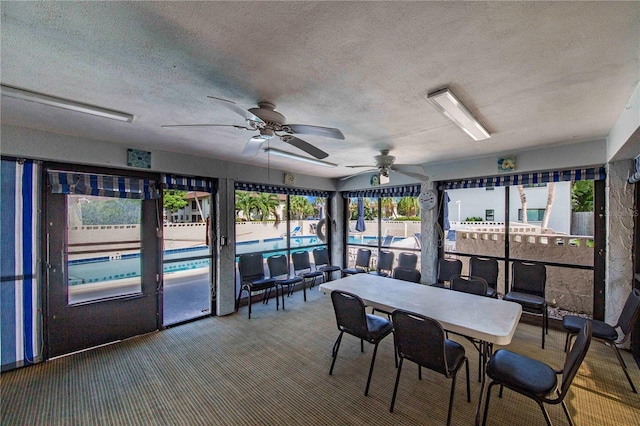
384 163
269 123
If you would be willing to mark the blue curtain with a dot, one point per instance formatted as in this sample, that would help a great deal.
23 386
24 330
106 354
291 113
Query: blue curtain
360 225
635 173
20 289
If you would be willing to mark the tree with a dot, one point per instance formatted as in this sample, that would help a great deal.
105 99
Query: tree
119 211
266 204
408 206
244 203
551 195
523 201
387 207
582 196
174 200
299 207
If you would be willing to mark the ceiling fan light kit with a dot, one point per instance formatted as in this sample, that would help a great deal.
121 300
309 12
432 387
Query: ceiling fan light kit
39 98
297 157
447 103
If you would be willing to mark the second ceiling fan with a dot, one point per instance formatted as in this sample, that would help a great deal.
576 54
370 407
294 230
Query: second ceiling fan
385 164
269 123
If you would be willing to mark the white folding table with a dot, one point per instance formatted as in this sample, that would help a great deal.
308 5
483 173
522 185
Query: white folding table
488 320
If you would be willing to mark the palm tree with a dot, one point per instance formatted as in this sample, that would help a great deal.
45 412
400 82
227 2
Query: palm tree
408 206
387 206
266 204
551 195
244 203
523 201
299 207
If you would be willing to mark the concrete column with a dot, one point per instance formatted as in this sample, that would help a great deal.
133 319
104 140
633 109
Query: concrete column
429 240
619 219
225 263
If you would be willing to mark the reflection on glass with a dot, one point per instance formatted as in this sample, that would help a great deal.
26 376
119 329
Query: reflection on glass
103 247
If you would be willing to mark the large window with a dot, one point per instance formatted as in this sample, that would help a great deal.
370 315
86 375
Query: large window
550 221
384 219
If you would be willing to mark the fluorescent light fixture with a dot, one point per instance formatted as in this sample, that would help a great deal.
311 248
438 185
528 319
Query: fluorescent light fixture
449 105
298 157
25 95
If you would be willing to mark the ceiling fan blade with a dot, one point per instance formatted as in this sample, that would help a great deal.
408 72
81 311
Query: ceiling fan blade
206 125
402 170
359 173
305 146
327 132
236 108
361 165
252 147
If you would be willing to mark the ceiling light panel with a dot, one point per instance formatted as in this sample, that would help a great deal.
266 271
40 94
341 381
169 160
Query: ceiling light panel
447 103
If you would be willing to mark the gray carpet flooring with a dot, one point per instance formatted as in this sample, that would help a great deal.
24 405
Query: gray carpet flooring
273 370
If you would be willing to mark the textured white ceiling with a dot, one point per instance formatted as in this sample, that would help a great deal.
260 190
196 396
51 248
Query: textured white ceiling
534 73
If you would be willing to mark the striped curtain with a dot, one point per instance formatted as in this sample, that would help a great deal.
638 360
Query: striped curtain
385 192
102 185
20 288
595 173
185 183
273 189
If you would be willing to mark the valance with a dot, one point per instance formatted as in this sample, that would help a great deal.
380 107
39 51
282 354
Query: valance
102 185
186 183
385 192
274 189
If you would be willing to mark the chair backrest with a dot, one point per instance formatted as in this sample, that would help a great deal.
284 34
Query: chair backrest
420 339
468 284
351 316
385 261
629 313
406 274
278 265
448 268
363 258
321 256
528 278
250 266
575 358
484 268
300 261
407 260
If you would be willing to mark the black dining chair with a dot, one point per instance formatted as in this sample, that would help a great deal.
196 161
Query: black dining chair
407 260
352 319
606 333
535 379
469 284
363 257
422 340
252 278
446 269
477 286
280 270
384 266
321 259
487 269
528 282
405 274
302 268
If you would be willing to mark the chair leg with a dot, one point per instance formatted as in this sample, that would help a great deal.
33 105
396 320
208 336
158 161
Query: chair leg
566 342
453 391
466 362
486 404
361 345
395 388
624 367
304 289
334 351
546 415
373 361
281 293
566 411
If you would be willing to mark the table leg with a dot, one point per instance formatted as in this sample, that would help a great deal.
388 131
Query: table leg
486 349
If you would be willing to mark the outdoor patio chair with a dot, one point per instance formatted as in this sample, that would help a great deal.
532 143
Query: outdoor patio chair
302 268
251 270
421 339
384 266
528 281
535 379
606 333
487 269
280 270
352 319
446 269
321 259
407 260
363 258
